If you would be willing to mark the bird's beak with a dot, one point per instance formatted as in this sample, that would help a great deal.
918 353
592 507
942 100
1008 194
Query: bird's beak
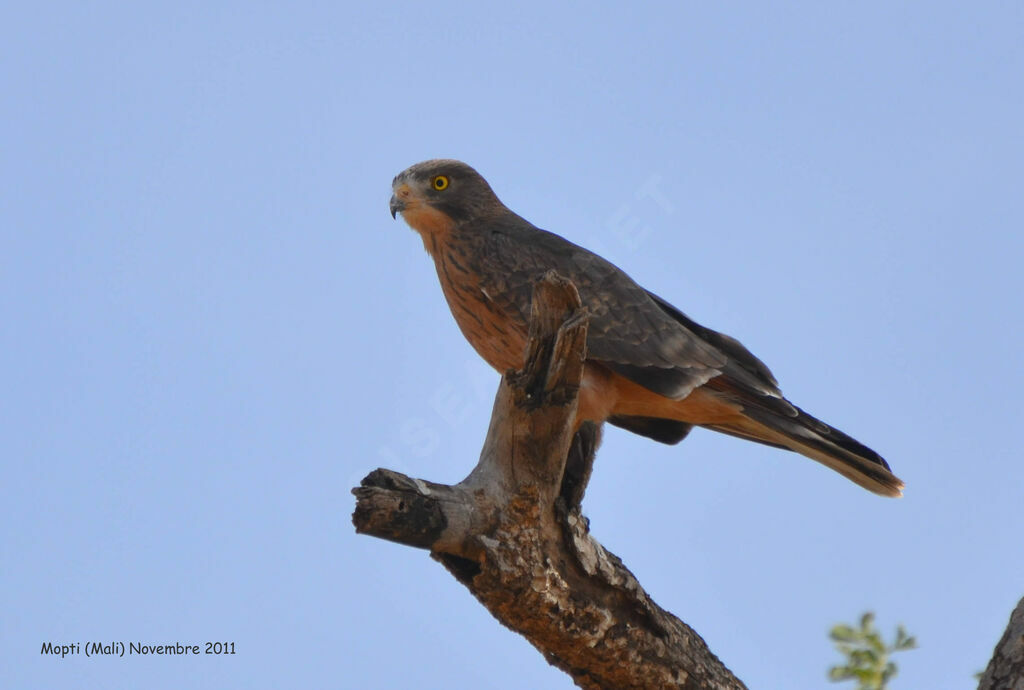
401 198
396 206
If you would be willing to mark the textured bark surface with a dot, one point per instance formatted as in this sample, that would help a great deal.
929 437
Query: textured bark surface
1006 669
513 534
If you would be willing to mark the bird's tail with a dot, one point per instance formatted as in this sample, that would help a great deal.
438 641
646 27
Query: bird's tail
776 422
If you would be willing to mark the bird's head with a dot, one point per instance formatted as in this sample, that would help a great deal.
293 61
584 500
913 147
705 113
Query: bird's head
435 195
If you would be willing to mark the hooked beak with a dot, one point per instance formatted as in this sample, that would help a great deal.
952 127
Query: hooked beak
401 198
396 205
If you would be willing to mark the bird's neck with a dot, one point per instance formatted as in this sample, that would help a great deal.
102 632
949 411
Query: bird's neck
434 227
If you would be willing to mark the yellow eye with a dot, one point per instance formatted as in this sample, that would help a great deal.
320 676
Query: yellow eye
440 182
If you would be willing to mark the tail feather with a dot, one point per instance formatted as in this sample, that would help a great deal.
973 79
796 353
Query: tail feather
776 422
829 446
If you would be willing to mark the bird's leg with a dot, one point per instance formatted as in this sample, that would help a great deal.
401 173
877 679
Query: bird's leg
578 464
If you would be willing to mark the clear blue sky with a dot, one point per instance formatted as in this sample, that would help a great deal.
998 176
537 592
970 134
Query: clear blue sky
211 328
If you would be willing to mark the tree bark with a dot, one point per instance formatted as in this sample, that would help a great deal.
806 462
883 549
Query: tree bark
512 531
1006 669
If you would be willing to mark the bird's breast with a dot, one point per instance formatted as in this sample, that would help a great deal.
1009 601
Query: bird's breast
494 330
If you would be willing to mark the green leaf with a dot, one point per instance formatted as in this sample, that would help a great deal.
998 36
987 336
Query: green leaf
866 653
843 633
837 673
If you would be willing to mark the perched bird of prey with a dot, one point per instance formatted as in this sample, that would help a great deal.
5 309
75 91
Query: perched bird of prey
649 368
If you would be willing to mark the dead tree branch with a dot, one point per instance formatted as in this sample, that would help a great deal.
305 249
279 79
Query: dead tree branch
513 534
1006 669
